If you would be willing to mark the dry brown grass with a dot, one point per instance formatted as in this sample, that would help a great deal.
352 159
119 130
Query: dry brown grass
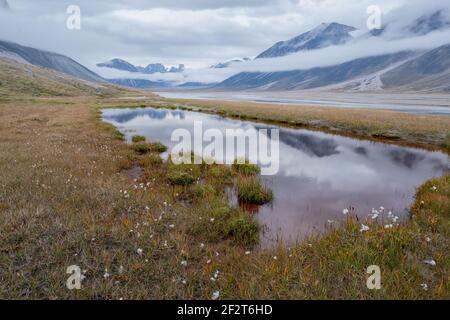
61 204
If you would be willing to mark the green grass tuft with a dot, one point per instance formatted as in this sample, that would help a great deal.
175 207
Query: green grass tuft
143 148
150 160
245 168
244 229
138 139
158 147
250 190
180 178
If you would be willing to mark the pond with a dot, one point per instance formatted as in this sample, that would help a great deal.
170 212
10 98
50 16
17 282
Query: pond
319 174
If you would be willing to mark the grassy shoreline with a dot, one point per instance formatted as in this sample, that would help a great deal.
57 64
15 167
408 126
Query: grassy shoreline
63 202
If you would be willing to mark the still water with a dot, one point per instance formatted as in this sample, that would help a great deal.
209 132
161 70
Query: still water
319 174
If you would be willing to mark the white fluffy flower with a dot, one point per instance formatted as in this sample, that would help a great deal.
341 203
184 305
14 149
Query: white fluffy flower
215 295
364 228
431 262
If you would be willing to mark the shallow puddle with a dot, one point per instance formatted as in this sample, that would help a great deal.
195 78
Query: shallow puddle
319 176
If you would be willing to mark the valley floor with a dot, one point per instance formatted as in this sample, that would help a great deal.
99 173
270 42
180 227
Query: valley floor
417 103
64 201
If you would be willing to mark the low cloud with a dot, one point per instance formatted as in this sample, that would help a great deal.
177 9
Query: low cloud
205 32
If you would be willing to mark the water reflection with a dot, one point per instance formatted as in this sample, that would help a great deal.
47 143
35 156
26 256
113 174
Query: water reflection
320 174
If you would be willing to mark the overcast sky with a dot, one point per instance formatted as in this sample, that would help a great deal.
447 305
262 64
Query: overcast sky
196 33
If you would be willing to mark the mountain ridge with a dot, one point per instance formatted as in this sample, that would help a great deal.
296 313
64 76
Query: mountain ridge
123 65
48 59
326 34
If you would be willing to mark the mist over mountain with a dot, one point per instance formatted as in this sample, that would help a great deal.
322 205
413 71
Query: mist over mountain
228 63
437 20
416 69
326 34
315 77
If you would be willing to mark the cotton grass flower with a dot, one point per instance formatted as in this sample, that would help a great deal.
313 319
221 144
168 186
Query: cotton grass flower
364 228
184 263
345 212
139 251
424 286
430 262
215 295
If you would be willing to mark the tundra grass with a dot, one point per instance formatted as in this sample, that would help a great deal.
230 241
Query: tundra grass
245 167
63 202
250 190
143 148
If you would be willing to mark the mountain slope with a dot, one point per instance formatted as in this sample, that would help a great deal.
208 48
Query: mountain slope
323 36
140 83
429 71
437 20
48 60
18 79
315 77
